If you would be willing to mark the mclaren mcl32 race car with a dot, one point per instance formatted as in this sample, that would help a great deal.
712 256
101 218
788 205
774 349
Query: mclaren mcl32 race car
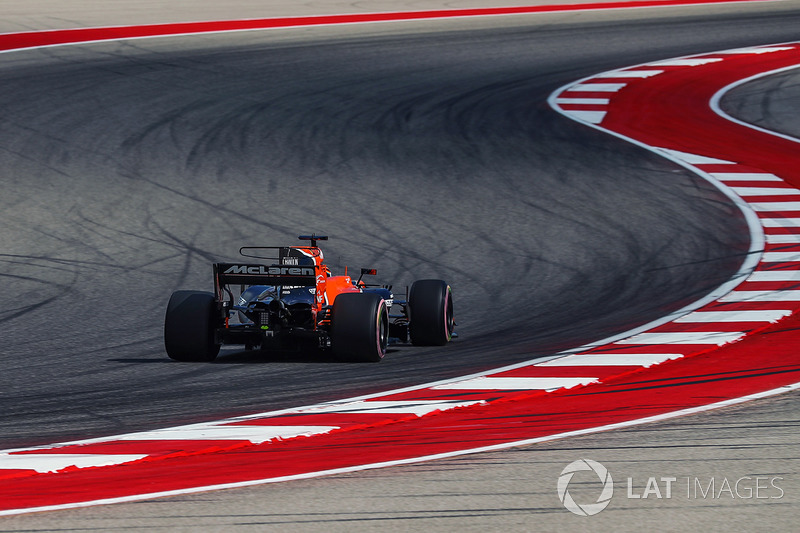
290 300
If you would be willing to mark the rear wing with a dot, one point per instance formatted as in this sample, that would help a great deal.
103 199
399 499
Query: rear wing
294 266
226 274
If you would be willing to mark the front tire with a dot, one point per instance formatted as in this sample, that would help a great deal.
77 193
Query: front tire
359 327
430 303
189 327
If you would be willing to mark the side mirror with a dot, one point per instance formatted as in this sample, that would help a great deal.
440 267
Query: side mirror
366 272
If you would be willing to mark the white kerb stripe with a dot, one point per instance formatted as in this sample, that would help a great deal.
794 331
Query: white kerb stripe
694 159
254 434
688 62
775 275
780 257
784 239
775 206
684 337
53 462
761 296
612 359
735 316
417 407
490 383
630 74
592 117
596 87
756 50
745 176
781 222
766 191
583 101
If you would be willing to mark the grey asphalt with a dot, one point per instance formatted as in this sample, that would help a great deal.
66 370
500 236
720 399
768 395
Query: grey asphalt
128 167
770 103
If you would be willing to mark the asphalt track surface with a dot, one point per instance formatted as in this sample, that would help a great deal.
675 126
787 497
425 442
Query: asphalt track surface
129 167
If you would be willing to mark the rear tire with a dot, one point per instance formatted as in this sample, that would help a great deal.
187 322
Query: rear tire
359 327
430 304
189 327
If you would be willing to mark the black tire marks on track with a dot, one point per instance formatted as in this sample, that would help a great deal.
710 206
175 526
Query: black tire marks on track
129 167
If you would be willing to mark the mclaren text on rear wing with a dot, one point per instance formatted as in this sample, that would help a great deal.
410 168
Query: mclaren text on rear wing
250 274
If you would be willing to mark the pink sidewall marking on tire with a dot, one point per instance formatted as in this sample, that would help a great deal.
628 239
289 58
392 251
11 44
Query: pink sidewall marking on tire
700 358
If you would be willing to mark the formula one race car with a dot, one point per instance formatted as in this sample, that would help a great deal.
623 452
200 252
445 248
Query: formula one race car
294 301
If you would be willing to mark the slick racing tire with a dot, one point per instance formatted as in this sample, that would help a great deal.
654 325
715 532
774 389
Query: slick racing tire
189 327
430 305
359 327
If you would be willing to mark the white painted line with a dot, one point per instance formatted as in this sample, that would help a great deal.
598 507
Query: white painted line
490 383
715 100
781 222
597 87
783 239
766 191
612 359
686 62
684 337
735 316
756 50
592 117
694 159
416 407
775 206
745 176
254 434
775 275
780 257
762 296
583 101
53 462
630 74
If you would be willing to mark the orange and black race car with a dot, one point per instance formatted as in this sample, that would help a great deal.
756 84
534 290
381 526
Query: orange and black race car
294 302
